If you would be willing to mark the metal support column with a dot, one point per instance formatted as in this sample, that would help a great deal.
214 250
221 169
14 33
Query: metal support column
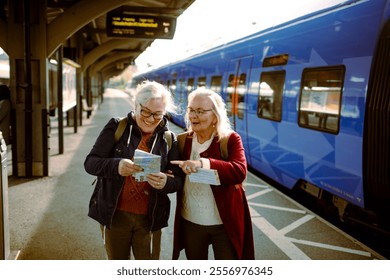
28 88
60 103
4 224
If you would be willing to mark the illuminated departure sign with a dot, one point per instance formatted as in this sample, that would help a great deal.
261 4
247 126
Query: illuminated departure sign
276 60
123 24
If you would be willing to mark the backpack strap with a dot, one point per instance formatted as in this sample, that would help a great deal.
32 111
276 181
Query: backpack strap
181 140
120 129
168 137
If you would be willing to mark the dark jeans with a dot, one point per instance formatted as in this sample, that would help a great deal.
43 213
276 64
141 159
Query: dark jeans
197 239
131 232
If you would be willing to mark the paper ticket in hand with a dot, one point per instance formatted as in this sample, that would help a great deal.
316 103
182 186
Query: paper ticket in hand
149 162
205 176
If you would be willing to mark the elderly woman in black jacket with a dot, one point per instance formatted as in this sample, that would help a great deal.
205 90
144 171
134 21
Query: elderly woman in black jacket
132 213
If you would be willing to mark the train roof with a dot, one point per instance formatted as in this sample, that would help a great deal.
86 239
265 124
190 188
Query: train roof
262 32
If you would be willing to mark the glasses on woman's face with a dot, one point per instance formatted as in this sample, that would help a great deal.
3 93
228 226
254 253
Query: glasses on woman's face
145 112
197 112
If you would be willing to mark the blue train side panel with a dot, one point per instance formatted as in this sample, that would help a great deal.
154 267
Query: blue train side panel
343 37
286 152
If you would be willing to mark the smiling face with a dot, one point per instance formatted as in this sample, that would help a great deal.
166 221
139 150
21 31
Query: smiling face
149 115
201 116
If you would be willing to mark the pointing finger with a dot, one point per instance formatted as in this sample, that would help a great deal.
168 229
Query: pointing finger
178 162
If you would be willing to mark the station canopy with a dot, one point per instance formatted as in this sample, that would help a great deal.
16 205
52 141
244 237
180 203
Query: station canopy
124 32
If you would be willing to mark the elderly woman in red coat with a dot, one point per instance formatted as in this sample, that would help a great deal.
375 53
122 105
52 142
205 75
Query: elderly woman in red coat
207 213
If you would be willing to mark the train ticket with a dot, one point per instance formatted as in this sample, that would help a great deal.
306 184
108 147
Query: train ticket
205 176
149 162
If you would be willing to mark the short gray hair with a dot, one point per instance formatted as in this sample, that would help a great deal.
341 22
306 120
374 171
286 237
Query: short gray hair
148 90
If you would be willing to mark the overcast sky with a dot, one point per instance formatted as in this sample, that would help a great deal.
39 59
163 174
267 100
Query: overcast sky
207 23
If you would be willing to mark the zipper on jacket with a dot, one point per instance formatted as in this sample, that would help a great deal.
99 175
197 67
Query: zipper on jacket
129 138
151 243
104 235
153 211
155 204
151 227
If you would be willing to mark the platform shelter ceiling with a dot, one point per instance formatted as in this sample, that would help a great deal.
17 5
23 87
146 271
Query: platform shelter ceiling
70 21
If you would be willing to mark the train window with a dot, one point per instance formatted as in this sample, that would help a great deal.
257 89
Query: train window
180 91
173 88
216 82
240 96
201 82
190 85
269 105
320 99
230 90
235 103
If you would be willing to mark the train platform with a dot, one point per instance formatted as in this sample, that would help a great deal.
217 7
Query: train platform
48 216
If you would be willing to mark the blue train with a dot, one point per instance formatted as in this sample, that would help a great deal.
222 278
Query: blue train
311 101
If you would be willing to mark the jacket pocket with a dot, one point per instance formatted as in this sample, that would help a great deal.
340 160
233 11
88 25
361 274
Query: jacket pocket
162 212
93 202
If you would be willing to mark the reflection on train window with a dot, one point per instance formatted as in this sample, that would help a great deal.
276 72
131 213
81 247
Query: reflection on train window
230 90
173 88
269 105
235 103
201 82
216 82
190 85
320 99
240 96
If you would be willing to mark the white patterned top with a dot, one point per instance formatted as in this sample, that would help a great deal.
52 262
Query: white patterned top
199 205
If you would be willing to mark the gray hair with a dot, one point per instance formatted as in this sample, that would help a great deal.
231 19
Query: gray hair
148 90
222 126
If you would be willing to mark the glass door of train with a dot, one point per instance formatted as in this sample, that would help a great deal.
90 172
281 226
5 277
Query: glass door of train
238 77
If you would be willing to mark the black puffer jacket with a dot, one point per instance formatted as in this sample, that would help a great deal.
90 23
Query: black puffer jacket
103 161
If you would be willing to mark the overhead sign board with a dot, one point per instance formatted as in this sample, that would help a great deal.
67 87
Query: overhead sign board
276 60
126 25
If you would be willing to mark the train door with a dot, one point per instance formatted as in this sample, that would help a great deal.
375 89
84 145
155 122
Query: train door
239 72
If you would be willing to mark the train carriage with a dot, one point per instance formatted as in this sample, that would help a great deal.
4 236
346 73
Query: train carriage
309 98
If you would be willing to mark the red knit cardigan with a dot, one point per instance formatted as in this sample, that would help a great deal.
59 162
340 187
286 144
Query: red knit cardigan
229 196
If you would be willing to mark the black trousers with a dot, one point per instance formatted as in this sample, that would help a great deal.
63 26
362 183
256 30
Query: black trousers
197 239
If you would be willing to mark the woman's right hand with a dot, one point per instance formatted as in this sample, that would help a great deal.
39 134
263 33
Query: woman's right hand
188 166
127 167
